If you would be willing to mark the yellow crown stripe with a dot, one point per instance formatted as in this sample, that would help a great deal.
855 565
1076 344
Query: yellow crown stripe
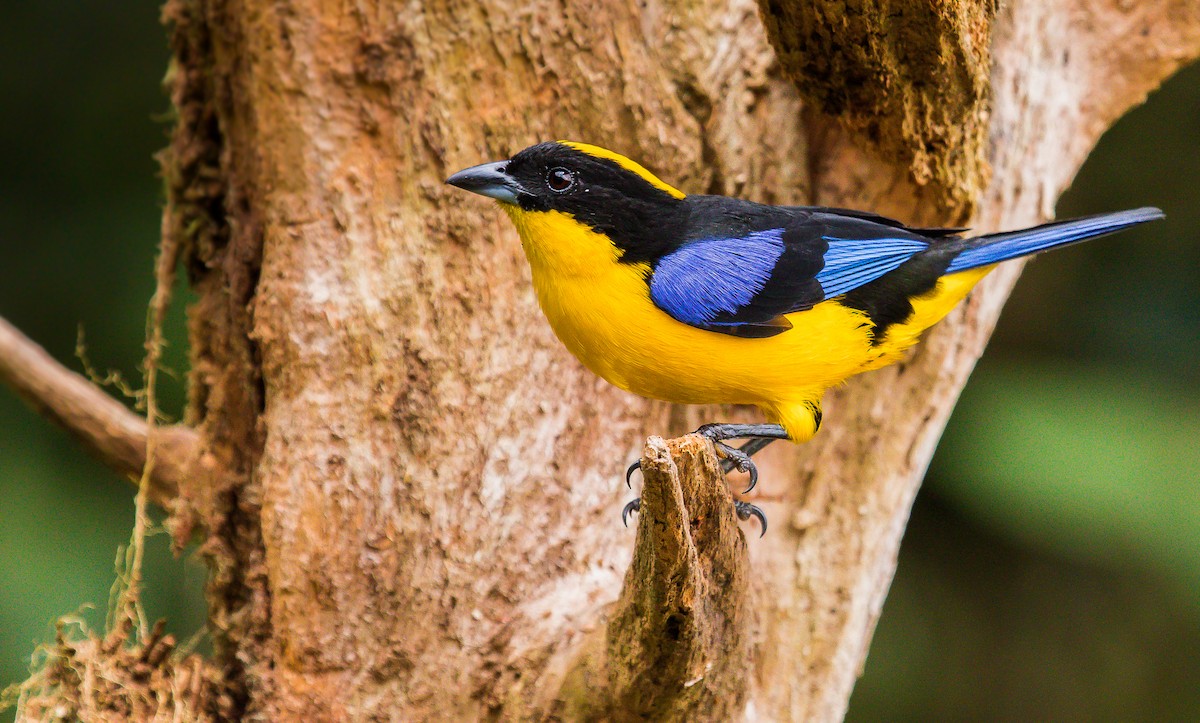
625 163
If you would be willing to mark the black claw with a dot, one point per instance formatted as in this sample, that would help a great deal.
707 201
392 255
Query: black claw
629 473
745 511
753 477
635 505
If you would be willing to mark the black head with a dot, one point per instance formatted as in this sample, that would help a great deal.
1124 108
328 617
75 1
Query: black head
609 193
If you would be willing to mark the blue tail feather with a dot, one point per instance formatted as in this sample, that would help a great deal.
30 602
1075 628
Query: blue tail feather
995 248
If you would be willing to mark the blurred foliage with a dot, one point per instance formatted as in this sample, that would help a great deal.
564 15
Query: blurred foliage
1052 567
79 217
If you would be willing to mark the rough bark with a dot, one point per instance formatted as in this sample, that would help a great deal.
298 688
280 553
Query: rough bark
414 507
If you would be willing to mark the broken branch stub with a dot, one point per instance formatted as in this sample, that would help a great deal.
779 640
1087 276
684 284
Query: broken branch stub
679 640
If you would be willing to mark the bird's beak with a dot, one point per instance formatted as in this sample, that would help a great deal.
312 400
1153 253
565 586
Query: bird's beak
489 179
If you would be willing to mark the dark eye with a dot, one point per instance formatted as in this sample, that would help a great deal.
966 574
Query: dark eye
560 180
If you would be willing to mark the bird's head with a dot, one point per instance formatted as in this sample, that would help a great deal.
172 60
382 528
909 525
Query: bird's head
577 206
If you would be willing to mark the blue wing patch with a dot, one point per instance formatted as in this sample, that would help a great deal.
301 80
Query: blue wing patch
707 278
851 263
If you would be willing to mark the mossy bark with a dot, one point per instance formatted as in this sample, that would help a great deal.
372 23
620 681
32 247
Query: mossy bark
911 77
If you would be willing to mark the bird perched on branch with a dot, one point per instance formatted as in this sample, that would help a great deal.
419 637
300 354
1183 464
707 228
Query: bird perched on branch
715 300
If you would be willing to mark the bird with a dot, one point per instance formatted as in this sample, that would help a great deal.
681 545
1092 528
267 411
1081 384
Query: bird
709 299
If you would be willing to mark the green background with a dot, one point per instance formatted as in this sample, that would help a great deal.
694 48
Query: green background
1052 566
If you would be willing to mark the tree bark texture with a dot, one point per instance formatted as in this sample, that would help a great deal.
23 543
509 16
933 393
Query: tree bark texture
412 497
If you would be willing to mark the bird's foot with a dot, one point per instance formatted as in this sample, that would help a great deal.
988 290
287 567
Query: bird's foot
734 458
757 436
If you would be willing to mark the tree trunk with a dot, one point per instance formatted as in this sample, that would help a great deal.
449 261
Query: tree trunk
409 492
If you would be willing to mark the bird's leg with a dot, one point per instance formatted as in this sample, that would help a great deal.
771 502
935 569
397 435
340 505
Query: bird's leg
757 436
718 432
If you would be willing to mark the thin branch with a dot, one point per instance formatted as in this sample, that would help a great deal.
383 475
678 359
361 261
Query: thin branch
679 641
113 433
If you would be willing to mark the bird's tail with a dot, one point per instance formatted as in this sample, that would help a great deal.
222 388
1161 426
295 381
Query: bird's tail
993 248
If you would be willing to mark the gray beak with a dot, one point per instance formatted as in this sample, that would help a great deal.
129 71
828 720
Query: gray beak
488 180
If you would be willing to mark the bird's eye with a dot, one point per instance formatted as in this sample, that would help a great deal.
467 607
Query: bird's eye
560 180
